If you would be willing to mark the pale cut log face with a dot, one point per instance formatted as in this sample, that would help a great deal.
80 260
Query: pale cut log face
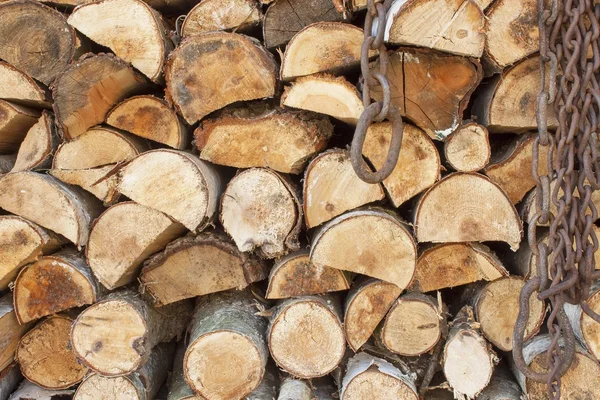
10 331
220 15
374 384
120 388
37 146
15 121
468 149
17 86
589 327
92 180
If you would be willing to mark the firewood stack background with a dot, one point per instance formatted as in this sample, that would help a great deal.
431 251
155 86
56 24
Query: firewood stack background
180 218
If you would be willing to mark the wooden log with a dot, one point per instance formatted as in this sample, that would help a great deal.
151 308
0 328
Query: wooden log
468 148
430 89
92 180
89 89
141 328
38 145
238 67
331 187
227 354
306 338
11 331
294 275
30 391
270 209
116 256
367 304
325 94
9 380
258 135
19 88
49 203
295 389
198 265
454 264
7 162
418 165
386 249
212 15
15 121
502 386
586 329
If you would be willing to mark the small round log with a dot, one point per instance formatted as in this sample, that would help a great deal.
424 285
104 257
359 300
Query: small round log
468 148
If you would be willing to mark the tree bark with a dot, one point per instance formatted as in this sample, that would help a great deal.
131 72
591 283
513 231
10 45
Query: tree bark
7 162
31 391
468 148
213 15
38 145
10 330
585 328
502 386
18 87
9 380
15 121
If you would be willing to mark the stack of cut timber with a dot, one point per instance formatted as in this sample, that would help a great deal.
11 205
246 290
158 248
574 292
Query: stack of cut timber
180 219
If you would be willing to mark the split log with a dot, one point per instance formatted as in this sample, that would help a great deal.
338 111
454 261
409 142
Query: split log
53 284
93 180
218 15
306 338
7 162
331 187
468 360
198 265
238 67
430 89
150 118
366 305
194 184
38 146
115 256
502 386
469 215
36 39
15 121
295 389
261 136
418 165
369 377
89 89
49 203
284 19
19 88
384 248
141 328
325 94
468 148
261 211
10 331
45 355
9 380
454 264
31 391
294 275
585 328
227 354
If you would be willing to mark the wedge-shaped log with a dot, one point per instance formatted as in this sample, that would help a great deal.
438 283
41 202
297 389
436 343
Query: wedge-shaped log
196 185
586 329
261 136
10 331
88 89
331 187
238 67
141 328
19 88
198 265
15 121
38 146
219 15
48 202
116 256
468 148
384 248
469 216
9 380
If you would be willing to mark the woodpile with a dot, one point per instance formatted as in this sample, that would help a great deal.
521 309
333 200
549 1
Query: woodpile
180 218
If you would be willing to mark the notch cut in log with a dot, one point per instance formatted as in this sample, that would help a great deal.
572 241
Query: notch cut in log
15 121
198 265
19 88
10 331
468 148
38 146
239 68
384 248
331 187
585 328
218 15
468 217
261 136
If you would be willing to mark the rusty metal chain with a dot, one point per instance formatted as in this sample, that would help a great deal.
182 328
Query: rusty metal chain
380 110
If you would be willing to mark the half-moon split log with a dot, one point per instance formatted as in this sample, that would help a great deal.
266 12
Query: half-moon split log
53 284
586 329
198 265
382 248
15 122
468 148
467 208
48 202
10 331
38 145
222 15
18 87
89 89
116 256
9 380
194 185
211 70
418 165
227 354
141 327
258 135
306 337
45 356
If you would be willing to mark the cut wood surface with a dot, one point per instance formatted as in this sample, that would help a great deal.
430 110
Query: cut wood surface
263 136
476 210
118 352
586 329
384 248
261 211
9 380
219 15
294 275
238 67
150 117
10 331
293 328
325 94
18 87
418 165
15 121
468 148
89 89
38 145
432 90
116 256
198 265
367 303
31 391
331 187
295 389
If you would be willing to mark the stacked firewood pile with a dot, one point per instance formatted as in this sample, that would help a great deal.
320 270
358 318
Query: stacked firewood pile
181 220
